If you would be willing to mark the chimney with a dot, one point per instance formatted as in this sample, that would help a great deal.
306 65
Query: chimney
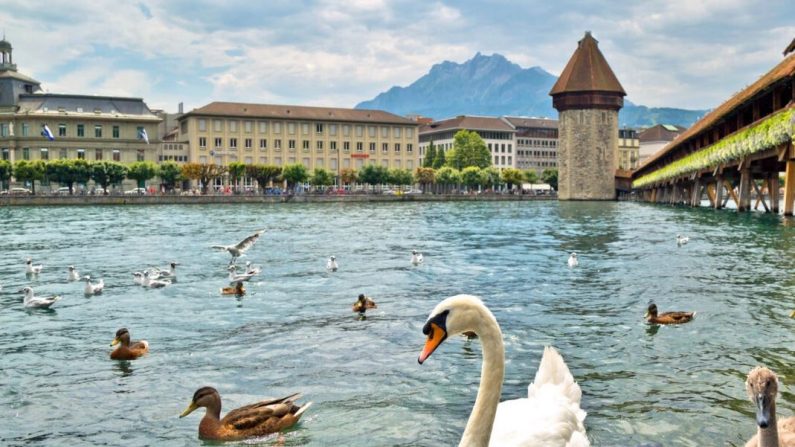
180 108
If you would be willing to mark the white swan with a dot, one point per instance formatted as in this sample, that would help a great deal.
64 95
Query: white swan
573 261
93 289
550 416
154 283
32 269
416 257
237 277
38 301
73 274
681 240
238 249
332 264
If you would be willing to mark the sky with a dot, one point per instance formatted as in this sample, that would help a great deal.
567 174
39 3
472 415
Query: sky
673 53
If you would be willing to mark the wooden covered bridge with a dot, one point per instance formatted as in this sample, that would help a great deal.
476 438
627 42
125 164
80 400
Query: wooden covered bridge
736 152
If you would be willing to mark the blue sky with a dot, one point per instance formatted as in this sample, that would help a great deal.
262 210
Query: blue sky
677 53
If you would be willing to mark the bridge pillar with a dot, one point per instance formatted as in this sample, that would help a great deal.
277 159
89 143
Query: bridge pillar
772 188
718 192
745 189
789 188
695 196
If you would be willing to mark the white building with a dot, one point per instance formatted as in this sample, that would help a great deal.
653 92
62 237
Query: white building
499 136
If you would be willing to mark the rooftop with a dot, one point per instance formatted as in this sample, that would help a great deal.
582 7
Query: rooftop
524 121
468 122
587 71
55 104
272 111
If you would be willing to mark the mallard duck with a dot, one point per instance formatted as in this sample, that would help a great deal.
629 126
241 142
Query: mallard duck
363 303
667 317
127 350
236 289
250 421
762 388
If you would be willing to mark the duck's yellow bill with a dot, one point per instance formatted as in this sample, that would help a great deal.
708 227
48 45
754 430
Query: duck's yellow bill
115 342
646 315
188 410
435 338
792 314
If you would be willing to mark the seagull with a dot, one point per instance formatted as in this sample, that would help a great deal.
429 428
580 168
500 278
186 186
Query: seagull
573 262
171 273
73 275
237 277
93 289
154 283
138 277
416 257
332 264
681 240
238 249
38 301
32 269
251 269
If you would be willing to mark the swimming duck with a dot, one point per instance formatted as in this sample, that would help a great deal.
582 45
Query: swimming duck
32 269
573 262
73 275
127 350
238 249
235 277
41 302
250 421
762 388
667 317
236 289
681 240
363 303
416 257
332 264
154 283
93 289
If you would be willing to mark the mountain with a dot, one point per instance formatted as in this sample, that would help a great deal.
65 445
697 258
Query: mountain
493 85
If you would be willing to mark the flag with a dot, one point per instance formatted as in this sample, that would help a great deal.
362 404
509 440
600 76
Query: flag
143 136
47 133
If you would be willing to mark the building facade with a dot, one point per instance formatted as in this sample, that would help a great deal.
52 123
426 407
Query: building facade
627 156
655 138
498 134
587 96
536 143
317 137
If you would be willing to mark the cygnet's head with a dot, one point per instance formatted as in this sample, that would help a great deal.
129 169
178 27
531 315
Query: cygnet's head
762 387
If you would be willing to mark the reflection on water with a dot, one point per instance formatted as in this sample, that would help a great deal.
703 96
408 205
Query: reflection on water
294 330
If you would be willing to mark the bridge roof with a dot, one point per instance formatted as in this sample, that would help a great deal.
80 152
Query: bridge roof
785 69
587 71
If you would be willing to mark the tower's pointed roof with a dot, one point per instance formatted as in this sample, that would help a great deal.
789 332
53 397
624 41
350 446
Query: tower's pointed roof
587 71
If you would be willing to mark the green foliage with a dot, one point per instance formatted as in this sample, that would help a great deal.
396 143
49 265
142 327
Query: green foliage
6 171
141 171
204 173
448 176
530 176
348 176
236 171
373 174
106 173
439 160
68 172
430 156
321 177
512 176
29 171
491 177
294 174
550 177
470 150
400 177
170 173
770 132
263 174
472 176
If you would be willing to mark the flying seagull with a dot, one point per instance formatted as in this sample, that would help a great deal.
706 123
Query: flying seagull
238 249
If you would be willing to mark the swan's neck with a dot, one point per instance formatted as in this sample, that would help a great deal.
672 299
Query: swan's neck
478 429
768 437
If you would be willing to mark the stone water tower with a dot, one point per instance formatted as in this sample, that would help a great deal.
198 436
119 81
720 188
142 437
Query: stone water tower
587 96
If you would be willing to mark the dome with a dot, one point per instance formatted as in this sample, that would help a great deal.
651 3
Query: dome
4 45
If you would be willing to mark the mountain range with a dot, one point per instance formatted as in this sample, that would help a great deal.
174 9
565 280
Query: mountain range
494 86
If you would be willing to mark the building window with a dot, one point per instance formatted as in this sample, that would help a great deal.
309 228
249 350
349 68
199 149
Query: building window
346 130
232 125
332 130
359 131
116 155
409 148
384 132
372 148
333 145
397 148
202 125
409 132
62 154
26 153
277 127
247 126
396 131
291 128
62 130
140 155
385 147
97 131
233 143
202 142
218 143
290 144
510 147
4 130
277 161
304 128
277 144
263 126
319 162
217 126
81 154
6 154
25 129
359 146
319 128
115 131
81 130
98 154
371 131
319 146
45 153
263 143
248 143
305 145
346 146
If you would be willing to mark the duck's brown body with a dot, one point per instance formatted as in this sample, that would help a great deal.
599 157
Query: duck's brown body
128 350
667 317
363 305
233 290
250 421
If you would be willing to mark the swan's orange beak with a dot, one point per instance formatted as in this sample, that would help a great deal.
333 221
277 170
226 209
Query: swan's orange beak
436 336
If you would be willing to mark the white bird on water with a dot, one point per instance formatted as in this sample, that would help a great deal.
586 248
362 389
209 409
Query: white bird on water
332 264
73 275
138 277
573 262
41 302
154 283
416 257
681 240
236 277
238 249
252 269
93 289
32 269
170 273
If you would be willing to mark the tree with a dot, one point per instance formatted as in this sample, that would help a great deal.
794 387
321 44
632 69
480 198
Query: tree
348 176
373 174
6 171
263 174
425 177
170 173
430 156
69 172
550 176
447 177
400 177
294 174
530 176
439 159
472 176
470 150
106 173
204 173
491 177
512 176
30 171
236 172
141 171
321 177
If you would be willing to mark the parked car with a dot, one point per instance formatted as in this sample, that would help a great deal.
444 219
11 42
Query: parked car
62 191
19 191
413 191
136 192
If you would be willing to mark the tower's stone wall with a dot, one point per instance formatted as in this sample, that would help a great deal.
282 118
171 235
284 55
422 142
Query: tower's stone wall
587 143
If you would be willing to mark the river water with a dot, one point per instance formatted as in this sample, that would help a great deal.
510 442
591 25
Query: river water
294 331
